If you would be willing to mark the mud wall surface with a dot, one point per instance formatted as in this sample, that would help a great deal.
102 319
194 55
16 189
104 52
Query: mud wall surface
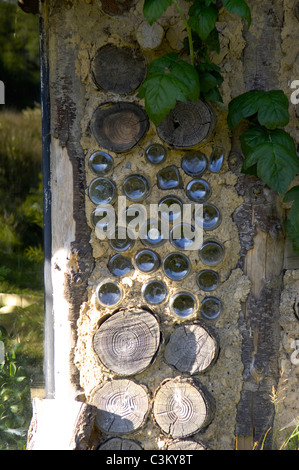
255 333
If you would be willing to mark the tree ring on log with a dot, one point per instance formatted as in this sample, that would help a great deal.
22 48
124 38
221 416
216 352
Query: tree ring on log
191 348
188 124
127 342
115 443
119 126
180 409
122 406
186 444
118 69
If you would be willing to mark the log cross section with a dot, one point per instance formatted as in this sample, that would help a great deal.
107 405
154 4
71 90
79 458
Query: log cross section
127 342
180 408
122 406
191 349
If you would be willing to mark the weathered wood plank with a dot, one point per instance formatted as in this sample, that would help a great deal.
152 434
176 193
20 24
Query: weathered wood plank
60 425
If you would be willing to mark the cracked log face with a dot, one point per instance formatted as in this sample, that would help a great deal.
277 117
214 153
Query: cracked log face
119 126
127 342
191 349
180 409
122 406
188 124
118 69
115 443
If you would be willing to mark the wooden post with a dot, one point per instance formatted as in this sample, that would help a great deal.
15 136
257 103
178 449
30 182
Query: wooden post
142 364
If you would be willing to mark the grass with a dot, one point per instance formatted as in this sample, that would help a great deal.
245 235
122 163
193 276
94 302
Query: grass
21 269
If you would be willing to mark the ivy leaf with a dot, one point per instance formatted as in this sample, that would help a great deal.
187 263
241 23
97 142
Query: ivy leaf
243 106
238 7
274 109
271 108
293 196
258 135
169 80
293 234
274 165
202 18
213 95
153 9
207 81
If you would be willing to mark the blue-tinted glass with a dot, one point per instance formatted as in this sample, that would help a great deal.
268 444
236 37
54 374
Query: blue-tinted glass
100 163
102 191
194 163
207 280
211 253
211 308
136 187
119 265
154 292
109 293
147 261
198 190
216 159
176 266
156 154
169 178
183 304
182 236
210 218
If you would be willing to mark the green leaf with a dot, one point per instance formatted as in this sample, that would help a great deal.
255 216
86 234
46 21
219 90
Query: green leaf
293 234
238 7
258 135
202 18
207 81
169 80
243 106
153 9
273 109
274 165
293 196
213 95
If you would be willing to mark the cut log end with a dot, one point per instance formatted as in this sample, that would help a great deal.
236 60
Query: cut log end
188 124
122 406
115 443
127 342
191 349
119 126
186 444
118 69
180 409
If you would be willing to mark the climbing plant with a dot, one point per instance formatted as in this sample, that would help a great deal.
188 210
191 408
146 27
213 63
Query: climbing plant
269 151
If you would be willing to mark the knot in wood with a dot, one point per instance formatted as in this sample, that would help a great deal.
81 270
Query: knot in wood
188 124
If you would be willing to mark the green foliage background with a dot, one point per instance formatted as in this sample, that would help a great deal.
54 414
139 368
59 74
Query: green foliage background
19 55
21 221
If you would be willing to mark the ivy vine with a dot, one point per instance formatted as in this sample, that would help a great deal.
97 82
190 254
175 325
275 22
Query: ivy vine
269 151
